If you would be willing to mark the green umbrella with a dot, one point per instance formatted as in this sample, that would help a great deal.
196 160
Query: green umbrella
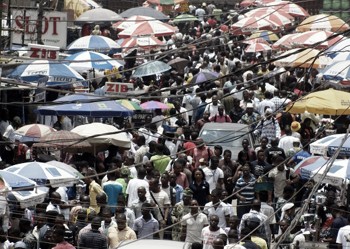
185 18
131 105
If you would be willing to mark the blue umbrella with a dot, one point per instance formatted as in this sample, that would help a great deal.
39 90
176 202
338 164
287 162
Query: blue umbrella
93 42
204 76
108 108
87 60
338 71
77 98
58 73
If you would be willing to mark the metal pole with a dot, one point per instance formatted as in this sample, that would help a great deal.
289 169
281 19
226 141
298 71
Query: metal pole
24 26
40 22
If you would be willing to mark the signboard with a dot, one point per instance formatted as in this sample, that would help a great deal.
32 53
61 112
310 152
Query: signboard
40 92
54 27
117 87
43 52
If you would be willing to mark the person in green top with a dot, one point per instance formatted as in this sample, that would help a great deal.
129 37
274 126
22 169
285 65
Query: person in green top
159 160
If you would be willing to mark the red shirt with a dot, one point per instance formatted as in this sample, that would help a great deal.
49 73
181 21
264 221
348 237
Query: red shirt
189 148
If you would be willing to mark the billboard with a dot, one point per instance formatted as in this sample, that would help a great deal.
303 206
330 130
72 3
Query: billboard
54 27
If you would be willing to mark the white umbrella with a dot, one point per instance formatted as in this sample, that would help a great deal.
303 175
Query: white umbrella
43 173
25 191
103 134
66 167
93 42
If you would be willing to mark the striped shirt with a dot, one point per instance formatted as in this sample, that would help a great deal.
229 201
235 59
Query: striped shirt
246 189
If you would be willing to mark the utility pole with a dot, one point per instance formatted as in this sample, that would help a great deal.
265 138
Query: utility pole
40 22
1 40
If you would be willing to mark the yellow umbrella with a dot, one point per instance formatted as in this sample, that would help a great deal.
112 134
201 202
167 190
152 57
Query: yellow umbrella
302 58
328 102
323 22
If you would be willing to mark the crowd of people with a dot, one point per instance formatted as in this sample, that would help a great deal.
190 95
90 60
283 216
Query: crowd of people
170 185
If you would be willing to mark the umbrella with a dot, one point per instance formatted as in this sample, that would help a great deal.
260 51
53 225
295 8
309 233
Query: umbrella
152 105
67 168
302 58
65 140
178 64
80 98
185 18
257 47
165 2
317 39
247 3
91 60
26 192
267 35
338 71
100 109
323 22
290 8
285 42
144 11
151 68
98 16
203 77
342 56
329 145
43 173
339 47
58 73
131 105
131 21
102 134
316 161
249 25
93 42
327 102
33 132
143 42
279 17
255 40
155 28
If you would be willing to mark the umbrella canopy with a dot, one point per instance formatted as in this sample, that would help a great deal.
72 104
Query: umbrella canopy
178 64
342 56
323 22
249 25
290 8
65 140
87 60
152 105
100 109
25 191
131 105
98 16
285 42
67 168
339 47
184 18
144 11
165 2
279 17
257 47
328 102
155 28
329 145
33 132
255 40
151 68
302 58
131 21
142 42
247 3
203 77
316 161
43 173
58 73
317 39
80 98
103 134
93 42
338 71
267 35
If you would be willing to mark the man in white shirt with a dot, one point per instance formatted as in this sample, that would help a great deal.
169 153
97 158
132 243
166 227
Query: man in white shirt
134 184
213 107
213 174
343 236
217 208
210 232
142 150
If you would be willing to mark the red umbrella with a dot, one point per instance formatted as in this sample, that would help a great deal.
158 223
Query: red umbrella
250 24
247 3
257 47
256 40
143 42
152 105
311 38
224 28
128 22
291 8
285 42
155 28
279 17
34 131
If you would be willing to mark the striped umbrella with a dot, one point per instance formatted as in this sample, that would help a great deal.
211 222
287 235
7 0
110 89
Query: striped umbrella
249 25
152 105
290 8
323 22
342 56
33 132
257 47
285 42
267 35
255 40
93 42
131 105
319 38
338 71
131 21
155 28
279 17
143 42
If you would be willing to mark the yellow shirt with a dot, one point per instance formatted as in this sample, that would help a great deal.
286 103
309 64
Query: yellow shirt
94 190
115 236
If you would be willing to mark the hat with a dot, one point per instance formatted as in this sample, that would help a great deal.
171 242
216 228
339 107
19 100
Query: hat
295 126
20 244
125 171
188 192
250 105
287 206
